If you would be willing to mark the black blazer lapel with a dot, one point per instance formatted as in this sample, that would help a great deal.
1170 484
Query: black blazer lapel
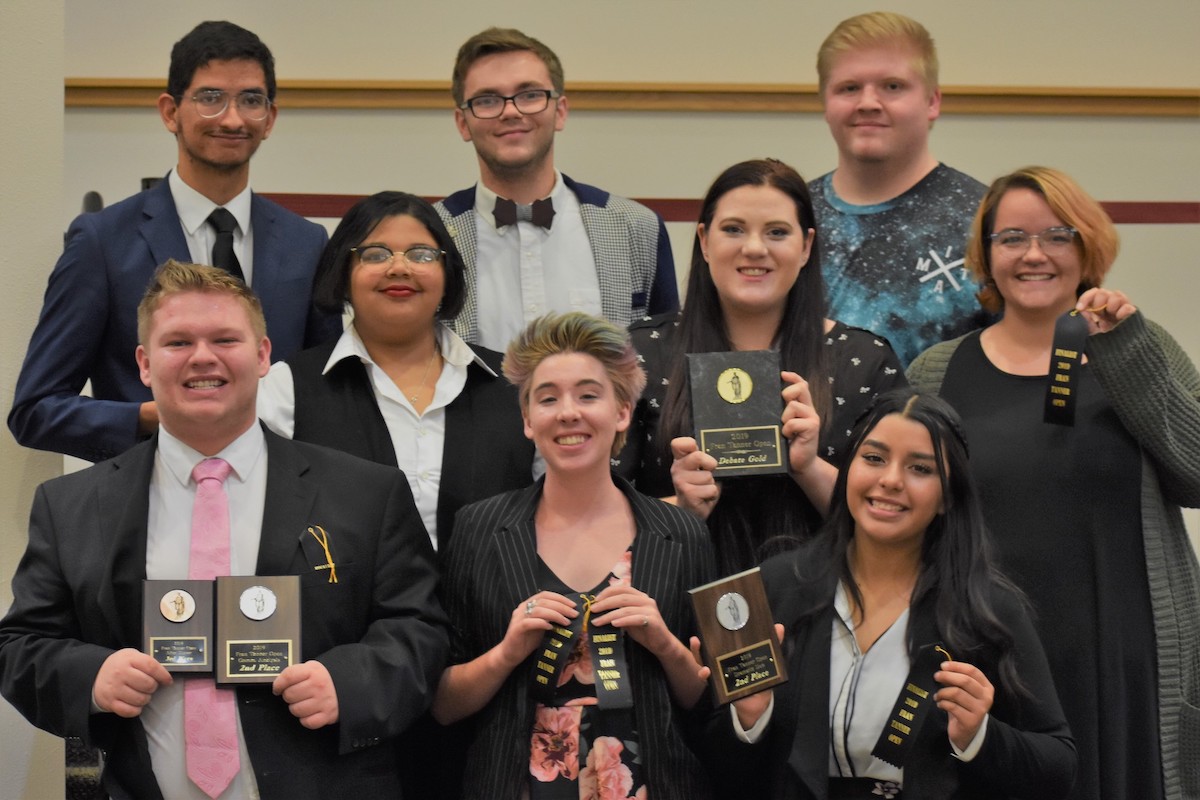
516 546
806 710
289 499
123 500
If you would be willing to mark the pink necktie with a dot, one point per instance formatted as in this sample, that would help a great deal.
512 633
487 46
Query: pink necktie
209 721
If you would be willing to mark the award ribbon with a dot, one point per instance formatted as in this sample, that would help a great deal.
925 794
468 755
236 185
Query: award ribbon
606 651
323 540
1066 355
912 706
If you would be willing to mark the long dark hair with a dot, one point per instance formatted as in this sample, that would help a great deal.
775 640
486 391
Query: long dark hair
331 284
957 573
702 326
744 529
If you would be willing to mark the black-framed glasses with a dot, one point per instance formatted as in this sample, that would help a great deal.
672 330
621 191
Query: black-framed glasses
490 106
418 255
1052 241
212 103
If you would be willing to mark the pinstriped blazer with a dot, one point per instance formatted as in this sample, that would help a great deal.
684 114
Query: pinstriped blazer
629 243
490 566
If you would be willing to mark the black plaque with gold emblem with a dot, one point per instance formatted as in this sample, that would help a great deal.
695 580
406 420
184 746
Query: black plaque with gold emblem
258 627
736 409
737 635
177 624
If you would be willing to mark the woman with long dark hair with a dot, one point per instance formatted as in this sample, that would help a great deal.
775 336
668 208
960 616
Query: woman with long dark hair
895 610
755 284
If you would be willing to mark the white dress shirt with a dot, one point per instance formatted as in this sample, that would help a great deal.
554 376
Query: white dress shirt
168 544
863 688
525 271
193 209
417 438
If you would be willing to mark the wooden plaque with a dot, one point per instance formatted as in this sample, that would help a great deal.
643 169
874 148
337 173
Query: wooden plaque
736 410
737 635
258 627
177 624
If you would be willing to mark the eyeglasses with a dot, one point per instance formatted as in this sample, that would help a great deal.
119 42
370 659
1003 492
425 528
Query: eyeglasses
212 103
419 255
490 106
1052 241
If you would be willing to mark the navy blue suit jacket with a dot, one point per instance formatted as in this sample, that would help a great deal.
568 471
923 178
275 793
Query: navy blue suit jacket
88 325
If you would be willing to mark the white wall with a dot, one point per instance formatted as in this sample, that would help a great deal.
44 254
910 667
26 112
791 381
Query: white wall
32 166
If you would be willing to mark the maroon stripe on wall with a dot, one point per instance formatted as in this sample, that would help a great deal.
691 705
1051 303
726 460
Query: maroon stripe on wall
674 209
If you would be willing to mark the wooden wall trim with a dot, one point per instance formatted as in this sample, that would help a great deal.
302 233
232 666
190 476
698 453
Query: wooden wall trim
704 97
673 209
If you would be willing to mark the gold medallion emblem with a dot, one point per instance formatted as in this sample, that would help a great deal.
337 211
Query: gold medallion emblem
734 385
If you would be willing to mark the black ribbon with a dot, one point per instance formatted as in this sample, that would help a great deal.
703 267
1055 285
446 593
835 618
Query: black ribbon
605 649
1066 356
912 706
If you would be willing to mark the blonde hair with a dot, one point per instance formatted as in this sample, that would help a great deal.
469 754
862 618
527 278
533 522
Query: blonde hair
176 277
501 40
879 29
576 332
1098 240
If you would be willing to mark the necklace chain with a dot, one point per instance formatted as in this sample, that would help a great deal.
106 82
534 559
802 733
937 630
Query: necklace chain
412 398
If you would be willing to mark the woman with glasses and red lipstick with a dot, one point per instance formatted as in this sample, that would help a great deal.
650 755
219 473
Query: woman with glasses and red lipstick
399 387
1084 424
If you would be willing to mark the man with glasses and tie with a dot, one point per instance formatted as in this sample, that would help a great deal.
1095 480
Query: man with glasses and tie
219 105
214 493
533 240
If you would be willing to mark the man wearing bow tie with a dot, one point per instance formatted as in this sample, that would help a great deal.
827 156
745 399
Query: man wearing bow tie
535 241
214 493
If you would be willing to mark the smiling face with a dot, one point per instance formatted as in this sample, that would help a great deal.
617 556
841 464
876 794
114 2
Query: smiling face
573 414
893 489
755 249
513 144
202 360
226 142
878 106
1033 282
397 298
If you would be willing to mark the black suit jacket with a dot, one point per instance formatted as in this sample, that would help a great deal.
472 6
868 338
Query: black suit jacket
491 566
379 630
485 453
1027 752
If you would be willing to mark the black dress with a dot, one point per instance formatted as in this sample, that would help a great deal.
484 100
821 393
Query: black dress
745 529
1064 507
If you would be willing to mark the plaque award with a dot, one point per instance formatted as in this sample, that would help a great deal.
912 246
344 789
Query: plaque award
177 624
737 635
258 627
736 409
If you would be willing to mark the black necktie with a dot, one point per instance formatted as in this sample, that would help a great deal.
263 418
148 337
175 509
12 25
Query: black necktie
541 213
222 252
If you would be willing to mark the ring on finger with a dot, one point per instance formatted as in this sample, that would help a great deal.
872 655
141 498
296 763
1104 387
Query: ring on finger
645 620
529 607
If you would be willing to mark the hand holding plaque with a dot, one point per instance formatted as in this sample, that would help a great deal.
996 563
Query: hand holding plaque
736 409
737 635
